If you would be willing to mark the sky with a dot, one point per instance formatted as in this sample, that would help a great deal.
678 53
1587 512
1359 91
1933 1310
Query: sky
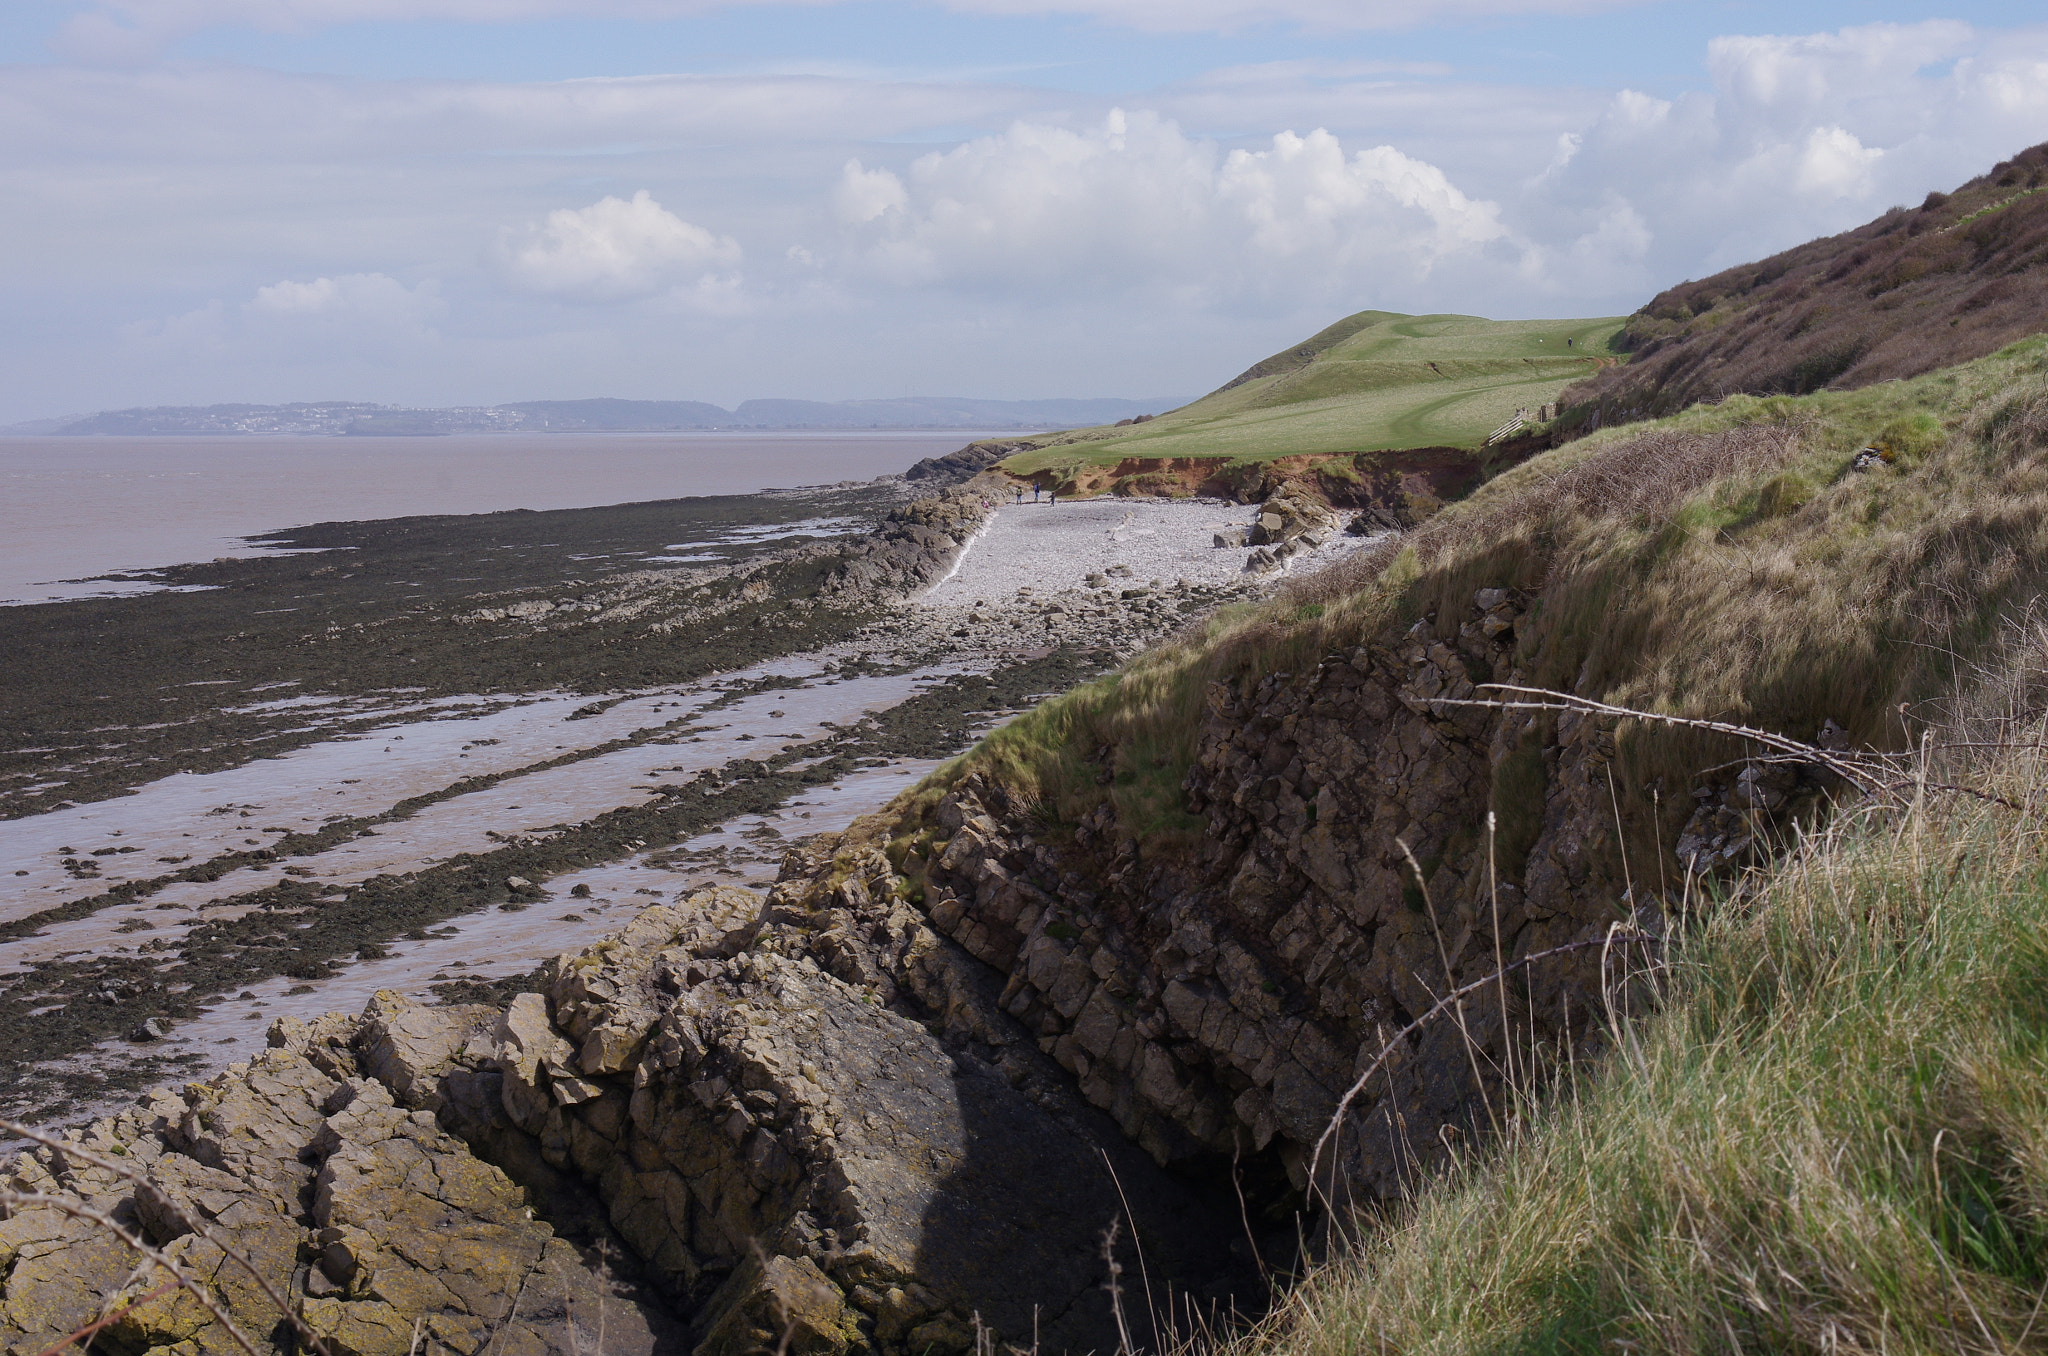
454 202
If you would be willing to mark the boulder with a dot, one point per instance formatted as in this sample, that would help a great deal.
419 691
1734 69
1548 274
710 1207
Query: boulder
409 1046
843 1102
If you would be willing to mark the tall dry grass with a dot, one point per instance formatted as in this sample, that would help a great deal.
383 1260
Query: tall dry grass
1832 1136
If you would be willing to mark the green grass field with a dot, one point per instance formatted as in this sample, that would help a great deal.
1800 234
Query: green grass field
1373 381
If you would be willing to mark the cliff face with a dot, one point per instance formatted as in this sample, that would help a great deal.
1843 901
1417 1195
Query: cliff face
1218 1001
1215 960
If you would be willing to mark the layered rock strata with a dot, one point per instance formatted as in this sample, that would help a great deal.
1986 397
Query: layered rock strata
1219 997
1291 520
918 543
388 1231
964 463
816 1110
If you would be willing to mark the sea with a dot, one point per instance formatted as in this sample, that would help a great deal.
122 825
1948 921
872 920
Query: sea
73 508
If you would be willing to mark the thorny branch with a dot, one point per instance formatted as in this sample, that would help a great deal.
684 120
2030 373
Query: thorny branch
112 1316
78 1209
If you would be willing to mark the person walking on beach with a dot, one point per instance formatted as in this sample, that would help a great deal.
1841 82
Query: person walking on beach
1034 491
1020 494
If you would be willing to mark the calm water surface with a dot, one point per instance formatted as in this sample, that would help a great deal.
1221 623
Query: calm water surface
72 508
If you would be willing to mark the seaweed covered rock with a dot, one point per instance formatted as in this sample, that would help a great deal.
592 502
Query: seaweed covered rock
918 542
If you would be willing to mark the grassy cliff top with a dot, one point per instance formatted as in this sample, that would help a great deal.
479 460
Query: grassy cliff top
1727 562
1373 381
1829 1134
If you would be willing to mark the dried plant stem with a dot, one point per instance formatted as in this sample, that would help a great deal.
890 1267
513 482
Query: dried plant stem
1860 770
1358 1086
104 1319
292 1312
1138 1244
1450 977
77 1209
1507 1041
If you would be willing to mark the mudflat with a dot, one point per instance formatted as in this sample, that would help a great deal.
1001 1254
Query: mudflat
429 753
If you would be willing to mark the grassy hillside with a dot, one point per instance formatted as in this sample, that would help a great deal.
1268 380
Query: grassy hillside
1913 291
1829 1131
1725 562
1373 381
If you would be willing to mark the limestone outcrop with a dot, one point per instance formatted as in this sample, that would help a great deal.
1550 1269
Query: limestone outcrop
815 1108
1289 512
1290 520
965 463
741 1124
917 543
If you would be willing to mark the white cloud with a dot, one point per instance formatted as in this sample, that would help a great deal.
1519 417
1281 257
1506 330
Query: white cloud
1181 16
348 317
1133 203
368 298
615 250
1800 136
1799 75
1834 163
1055 245
864 194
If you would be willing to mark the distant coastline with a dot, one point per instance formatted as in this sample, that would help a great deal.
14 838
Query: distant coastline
359 419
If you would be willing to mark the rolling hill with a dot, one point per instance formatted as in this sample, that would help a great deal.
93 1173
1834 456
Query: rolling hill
1374 381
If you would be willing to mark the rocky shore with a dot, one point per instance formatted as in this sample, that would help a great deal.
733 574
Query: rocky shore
136 945
830 1115
797 1123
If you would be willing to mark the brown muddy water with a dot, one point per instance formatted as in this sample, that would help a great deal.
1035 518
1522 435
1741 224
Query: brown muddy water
73 509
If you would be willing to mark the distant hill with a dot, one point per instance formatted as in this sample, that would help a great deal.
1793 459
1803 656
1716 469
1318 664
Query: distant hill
942 412
353 418
1959 276
1374 381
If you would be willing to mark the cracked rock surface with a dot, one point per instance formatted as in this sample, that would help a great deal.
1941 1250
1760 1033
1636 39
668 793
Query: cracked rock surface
1217 997
739 1123
366 1212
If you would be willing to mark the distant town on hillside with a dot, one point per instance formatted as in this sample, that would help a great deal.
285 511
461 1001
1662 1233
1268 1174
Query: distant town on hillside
357 419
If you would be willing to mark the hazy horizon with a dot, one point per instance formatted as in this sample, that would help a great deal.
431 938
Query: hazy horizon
1111 407
461 203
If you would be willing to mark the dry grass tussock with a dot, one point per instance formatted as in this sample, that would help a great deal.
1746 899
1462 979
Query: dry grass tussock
1832 1136
1727 563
